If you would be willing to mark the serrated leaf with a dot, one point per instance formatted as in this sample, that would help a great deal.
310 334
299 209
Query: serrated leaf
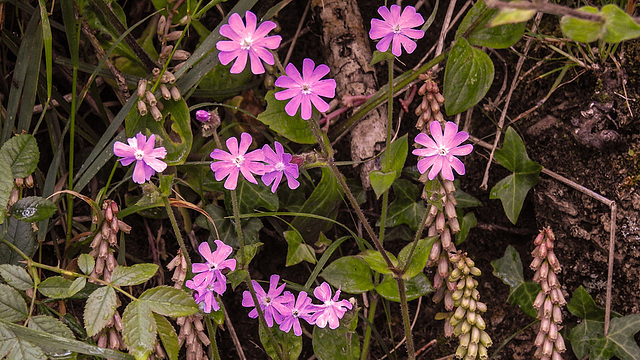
169 301
497 37
349 273
416 287
168 336
297 249
513 189
293 128
133 275
467 77
20 234
342 343
100 307
6 185
407 208
524 295
619 26
14 347
509 268
21 154
512 16
381 181
57 287
581 30
33 208
138 329
86 263
289 343
376 262
252 197
583 306
13 308
419 259
16 276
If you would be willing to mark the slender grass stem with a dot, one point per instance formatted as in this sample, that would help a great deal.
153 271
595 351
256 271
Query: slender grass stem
178 233
364 354
385 196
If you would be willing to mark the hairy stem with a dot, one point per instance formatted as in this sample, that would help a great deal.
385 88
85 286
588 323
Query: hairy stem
411 352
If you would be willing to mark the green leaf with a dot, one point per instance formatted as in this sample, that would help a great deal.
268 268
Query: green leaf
252 197
583 306
584 333
419 259
379 56
467 77
513 189
138 329
13 308
325 200
6 185
349 273
416 287
86 263
466 200
293 128
100 307
580 30
619 26
176 139
512 16
168 336
620 340
467 222
133 275
33 208
16 276
22 154
524 295
376 262
497 37
169 301
20 234
297 249
14 347
249 252
509 268
342 343
393 158
220 83
226 229
50 325
289 343
405 209
381 181
57 287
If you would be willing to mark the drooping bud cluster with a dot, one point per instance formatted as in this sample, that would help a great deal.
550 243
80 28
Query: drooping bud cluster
193 336
429 109
550 300
466 320
179 267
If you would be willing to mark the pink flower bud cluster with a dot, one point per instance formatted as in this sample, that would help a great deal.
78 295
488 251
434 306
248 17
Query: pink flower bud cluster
549 302
466 321
193 336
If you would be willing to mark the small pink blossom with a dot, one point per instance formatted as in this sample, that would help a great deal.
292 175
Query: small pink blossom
271 302
279 163
305 89
216 262
144 154
247 41
440 152
396 29
205 295
301 309
203 115
238 161
332 309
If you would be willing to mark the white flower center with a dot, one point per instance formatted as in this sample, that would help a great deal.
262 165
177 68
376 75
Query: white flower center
139 154
267 301
443 151
279 166
246 43
295 313
239 160
306 89
396 29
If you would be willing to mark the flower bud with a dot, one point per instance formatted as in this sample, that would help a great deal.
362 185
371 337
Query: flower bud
454 225
175 93
450 210
545 324
19 182
560 346
181 55
466 327
452 286
553 280
155 113
168 77
13 197
162 23
540 338
174 35
482 307
535 264
435 251
472 305
538 240
99 269
475 335
485 339
439 98
557 315
475 294
459 313
539 301
471 317
547 348
455 275
553 261
437 281
151 99
164 54
28 181
448 301
102 340
465 339
445 238
461 352
472 351
547 307
456 295
475 271
542 251
166 94
448 328
480 324
545 286
443 267
440 221
482 352
553 332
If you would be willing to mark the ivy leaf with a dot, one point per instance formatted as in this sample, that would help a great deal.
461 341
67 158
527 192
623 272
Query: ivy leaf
138 329
13 308
583 334
20 234
484 32
289 343
342 343
581 30
33 208
619 342
100 307
169 301
524 296
467 77
467 222
297 249
16 276
513 189
416 287
21 154
405 209
619 26
349 273
293 128
509 269
133 275
583 306
381 181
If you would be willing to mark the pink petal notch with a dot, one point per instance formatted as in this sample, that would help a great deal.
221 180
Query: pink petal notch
396 29
440 150
231 164
145 155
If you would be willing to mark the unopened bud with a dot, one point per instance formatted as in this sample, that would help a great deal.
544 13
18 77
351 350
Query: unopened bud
454 225
162 23
142 88
557 315
471 317
440 221
448 328
155 112
142 108
538 240
540 338
181 55
480 324
439 98
19 182
553 261
443 267
166 94
13 198
466 327
482 307
448 301
560 346
445 238
539 301
175 93
174 35
151 99
165 52
553 332
28 181
465 339
547 348
472 351
434 254
168 77
485 339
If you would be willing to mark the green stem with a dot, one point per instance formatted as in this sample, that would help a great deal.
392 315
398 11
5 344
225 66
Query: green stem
411 352
213 349
416 238
72 134
178 233
364 354
385 196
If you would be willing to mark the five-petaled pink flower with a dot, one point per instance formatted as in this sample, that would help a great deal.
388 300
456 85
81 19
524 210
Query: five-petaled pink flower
441 151
247 41
238 161
278 163
305 89
271 302
211 271
144 154
332 310
301 309
396 29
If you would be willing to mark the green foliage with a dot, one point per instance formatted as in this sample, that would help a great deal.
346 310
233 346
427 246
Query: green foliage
342 343
293 128
478 28
418 260
16 276
133 275
583 306
405 209
617 26
582 30
20 234
298 250
33 208
252 197
588 339
289 343
169 301
376 262
467 77
100 307
168 336
13 308
512 16
225 227
513 189
349 273
138 329
416 287
392 162
86 263
509 269
22 154
57 287
6 185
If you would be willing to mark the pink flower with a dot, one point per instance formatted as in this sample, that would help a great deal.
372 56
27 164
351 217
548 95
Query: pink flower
203 115
238 161
301 309
270 302
332 310
211 271
205 295
441 151
144 154
396 29
247 41
279 163
305 89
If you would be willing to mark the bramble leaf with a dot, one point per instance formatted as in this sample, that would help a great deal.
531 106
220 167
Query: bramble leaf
133 275
57 287
20 234
168 336
13 308
21 154
86 263
33 208
100 307
169 301
138 329
16 276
